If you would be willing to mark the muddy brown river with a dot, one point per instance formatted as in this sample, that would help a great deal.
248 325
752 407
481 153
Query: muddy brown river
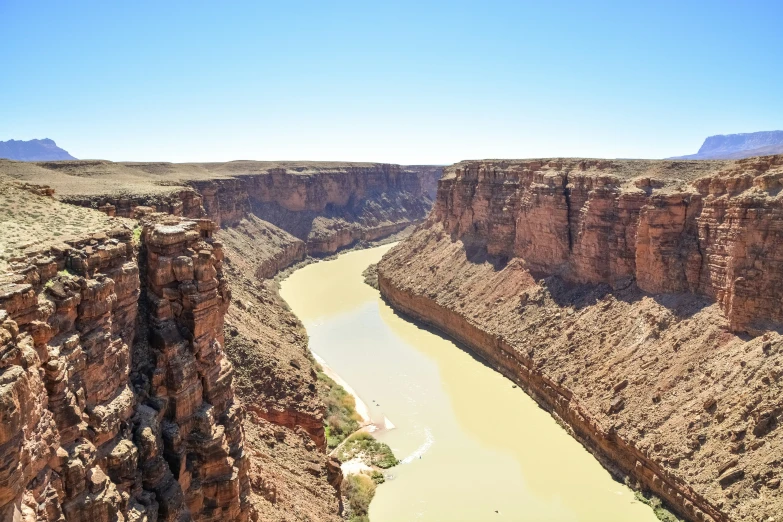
472 447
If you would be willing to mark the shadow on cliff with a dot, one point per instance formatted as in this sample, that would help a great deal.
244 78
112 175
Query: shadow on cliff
567 294
582 295
435 331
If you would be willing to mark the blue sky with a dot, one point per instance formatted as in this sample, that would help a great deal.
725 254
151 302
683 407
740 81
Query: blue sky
404 82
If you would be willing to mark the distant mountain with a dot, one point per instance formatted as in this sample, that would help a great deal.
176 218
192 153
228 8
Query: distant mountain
33 150
737 146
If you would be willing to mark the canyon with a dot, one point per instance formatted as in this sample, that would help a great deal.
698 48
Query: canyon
131 388
637 301
149 369
471 445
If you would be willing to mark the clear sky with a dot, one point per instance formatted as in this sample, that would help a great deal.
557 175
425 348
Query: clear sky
394 81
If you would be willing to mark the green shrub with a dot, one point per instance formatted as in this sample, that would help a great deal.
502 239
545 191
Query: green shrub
341 418
359 489
374 452
136 238
657 506
377 477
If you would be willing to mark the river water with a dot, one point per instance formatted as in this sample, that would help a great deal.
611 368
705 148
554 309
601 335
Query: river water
473 448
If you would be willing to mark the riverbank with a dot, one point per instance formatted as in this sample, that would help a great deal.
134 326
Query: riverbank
462 456
363 460
577 351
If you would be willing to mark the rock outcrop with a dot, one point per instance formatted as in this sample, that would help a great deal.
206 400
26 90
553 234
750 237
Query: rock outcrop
620 294
68 325
99 424
190 383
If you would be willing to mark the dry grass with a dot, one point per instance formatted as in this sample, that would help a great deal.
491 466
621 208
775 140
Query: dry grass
107 178
30 221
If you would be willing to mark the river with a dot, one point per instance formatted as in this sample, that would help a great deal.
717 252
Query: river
472 446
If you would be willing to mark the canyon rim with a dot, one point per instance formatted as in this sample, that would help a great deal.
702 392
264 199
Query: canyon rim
152 372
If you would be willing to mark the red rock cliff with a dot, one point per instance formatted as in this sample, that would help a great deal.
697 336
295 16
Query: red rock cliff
608 290
604 221
97 424
329 206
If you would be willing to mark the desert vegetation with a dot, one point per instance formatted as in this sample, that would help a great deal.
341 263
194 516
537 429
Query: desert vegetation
366 447
341 418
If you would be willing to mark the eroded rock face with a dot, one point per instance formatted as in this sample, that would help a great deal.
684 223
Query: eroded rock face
328 209
603 221
275 377
87 432
185 203
618 294
68 325
191 383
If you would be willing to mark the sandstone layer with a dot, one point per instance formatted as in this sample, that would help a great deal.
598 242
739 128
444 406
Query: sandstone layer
110 414
328 205
119 397
639 302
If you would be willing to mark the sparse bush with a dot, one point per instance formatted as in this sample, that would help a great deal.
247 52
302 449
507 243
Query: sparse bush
359 489
377 477
657 506
373 452
136 238
341 418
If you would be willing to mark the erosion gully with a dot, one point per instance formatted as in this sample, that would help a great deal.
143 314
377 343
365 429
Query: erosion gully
472 446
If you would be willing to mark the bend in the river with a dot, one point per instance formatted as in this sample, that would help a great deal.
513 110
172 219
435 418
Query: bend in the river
473 446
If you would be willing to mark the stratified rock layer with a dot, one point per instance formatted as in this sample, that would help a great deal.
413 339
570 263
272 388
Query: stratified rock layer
603 221
328 205
635 337
98 425
68 325
190 385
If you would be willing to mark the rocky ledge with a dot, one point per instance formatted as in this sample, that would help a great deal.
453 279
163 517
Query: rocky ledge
112 410
327 205
621 296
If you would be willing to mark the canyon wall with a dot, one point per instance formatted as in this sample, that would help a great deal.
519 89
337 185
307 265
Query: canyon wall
139 419
328 205
112 414
619 295
328 209
602 221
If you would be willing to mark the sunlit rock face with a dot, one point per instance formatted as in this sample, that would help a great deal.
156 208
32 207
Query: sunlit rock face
328 206
603 221
637 301
98 423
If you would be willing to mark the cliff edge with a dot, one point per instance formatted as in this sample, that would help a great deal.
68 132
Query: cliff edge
637 301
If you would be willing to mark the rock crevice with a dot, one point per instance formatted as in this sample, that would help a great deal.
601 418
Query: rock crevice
92 435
